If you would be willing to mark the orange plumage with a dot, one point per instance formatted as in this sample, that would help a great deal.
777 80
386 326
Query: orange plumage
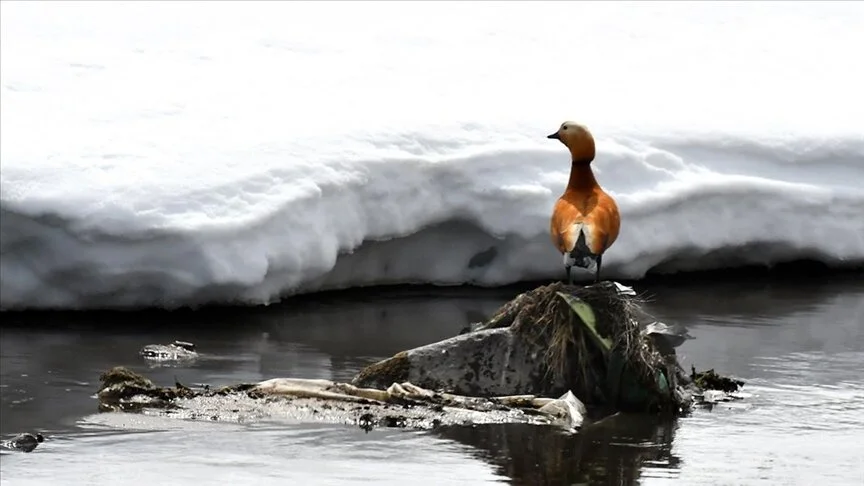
585 221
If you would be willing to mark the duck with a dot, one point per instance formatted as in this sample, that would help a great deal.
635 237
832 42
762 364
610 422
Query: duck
25 442
585 219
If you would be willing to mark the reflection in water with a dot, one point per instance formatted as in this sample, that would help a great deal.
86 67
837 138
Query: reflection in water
613 451
747 302
355 332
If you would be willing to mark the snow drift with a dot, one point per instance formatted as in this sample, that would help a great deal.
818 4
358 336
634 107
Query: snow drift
178 166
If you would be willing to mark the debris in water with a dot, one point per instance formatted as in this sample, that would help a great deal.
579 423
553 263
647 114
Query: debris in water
710 380
400 405
177 351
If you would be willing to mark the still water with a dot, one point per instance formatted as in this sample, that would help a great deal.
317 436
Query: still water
798 344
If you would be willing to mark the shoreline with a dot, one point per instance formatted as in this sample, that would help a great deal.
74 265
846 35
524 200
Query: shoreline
788 272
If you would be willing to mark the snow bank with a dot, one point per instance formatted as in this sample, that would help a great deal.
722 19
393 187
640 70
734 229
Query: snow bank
480 219
169 163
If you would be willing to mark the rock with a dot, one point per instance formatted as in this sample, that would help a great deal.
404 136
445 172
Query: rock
123 389
481 363
594 341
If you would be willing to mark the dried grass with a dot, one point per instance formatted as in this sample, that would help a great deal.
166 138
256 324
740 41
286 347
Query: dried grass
571 356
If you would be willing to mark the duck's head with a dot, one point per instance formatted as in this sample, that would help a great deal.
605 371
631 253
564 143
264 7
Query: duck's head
578 139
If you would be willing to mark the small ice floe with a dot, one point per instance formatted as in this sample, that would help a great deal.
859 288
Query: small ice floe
25 442
176 351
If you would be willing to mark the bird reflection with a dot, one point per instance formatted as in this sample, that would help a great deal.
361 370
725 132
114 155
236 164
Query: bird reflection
612 451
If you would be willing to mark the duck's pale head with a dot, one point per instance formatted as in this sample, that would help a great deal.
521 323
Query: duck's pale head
578 139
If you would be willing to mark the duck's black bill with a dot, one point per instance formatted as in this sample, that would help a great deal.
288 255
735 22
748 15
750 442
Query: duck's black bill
555 136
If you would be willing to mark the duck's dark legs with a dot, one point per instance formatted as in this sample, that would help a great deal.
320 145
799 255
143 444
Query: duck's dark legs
568 268
597 273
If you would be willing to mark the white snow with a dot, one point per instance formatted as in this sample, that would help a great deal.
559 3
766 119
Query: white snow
179 153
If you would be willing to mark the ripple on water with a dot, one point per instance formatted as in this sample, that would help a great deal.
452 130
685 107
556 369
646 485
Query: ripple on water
803 407
244 454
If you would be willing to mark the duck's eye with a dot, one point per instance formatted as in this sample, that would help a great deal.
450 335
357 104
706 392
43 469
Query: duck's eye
564 128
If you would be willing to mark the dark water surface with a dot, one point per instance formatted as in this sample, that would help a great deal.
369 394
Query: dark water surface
799 345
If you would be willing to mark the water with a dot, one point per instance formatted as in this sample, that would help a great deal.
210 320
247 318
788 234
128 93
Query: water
798 344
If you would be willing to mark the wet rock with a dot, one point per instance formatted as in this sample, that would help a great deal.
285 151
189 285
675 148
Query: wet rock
481 363
25 442
384 373
123 389
596 342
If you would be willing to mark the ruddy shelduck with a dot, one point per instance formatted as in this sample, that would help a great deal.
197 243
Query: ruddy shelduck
585 221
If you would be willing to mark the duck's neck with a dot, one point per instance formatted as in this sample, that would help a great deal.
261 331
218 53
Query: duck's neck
581 175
